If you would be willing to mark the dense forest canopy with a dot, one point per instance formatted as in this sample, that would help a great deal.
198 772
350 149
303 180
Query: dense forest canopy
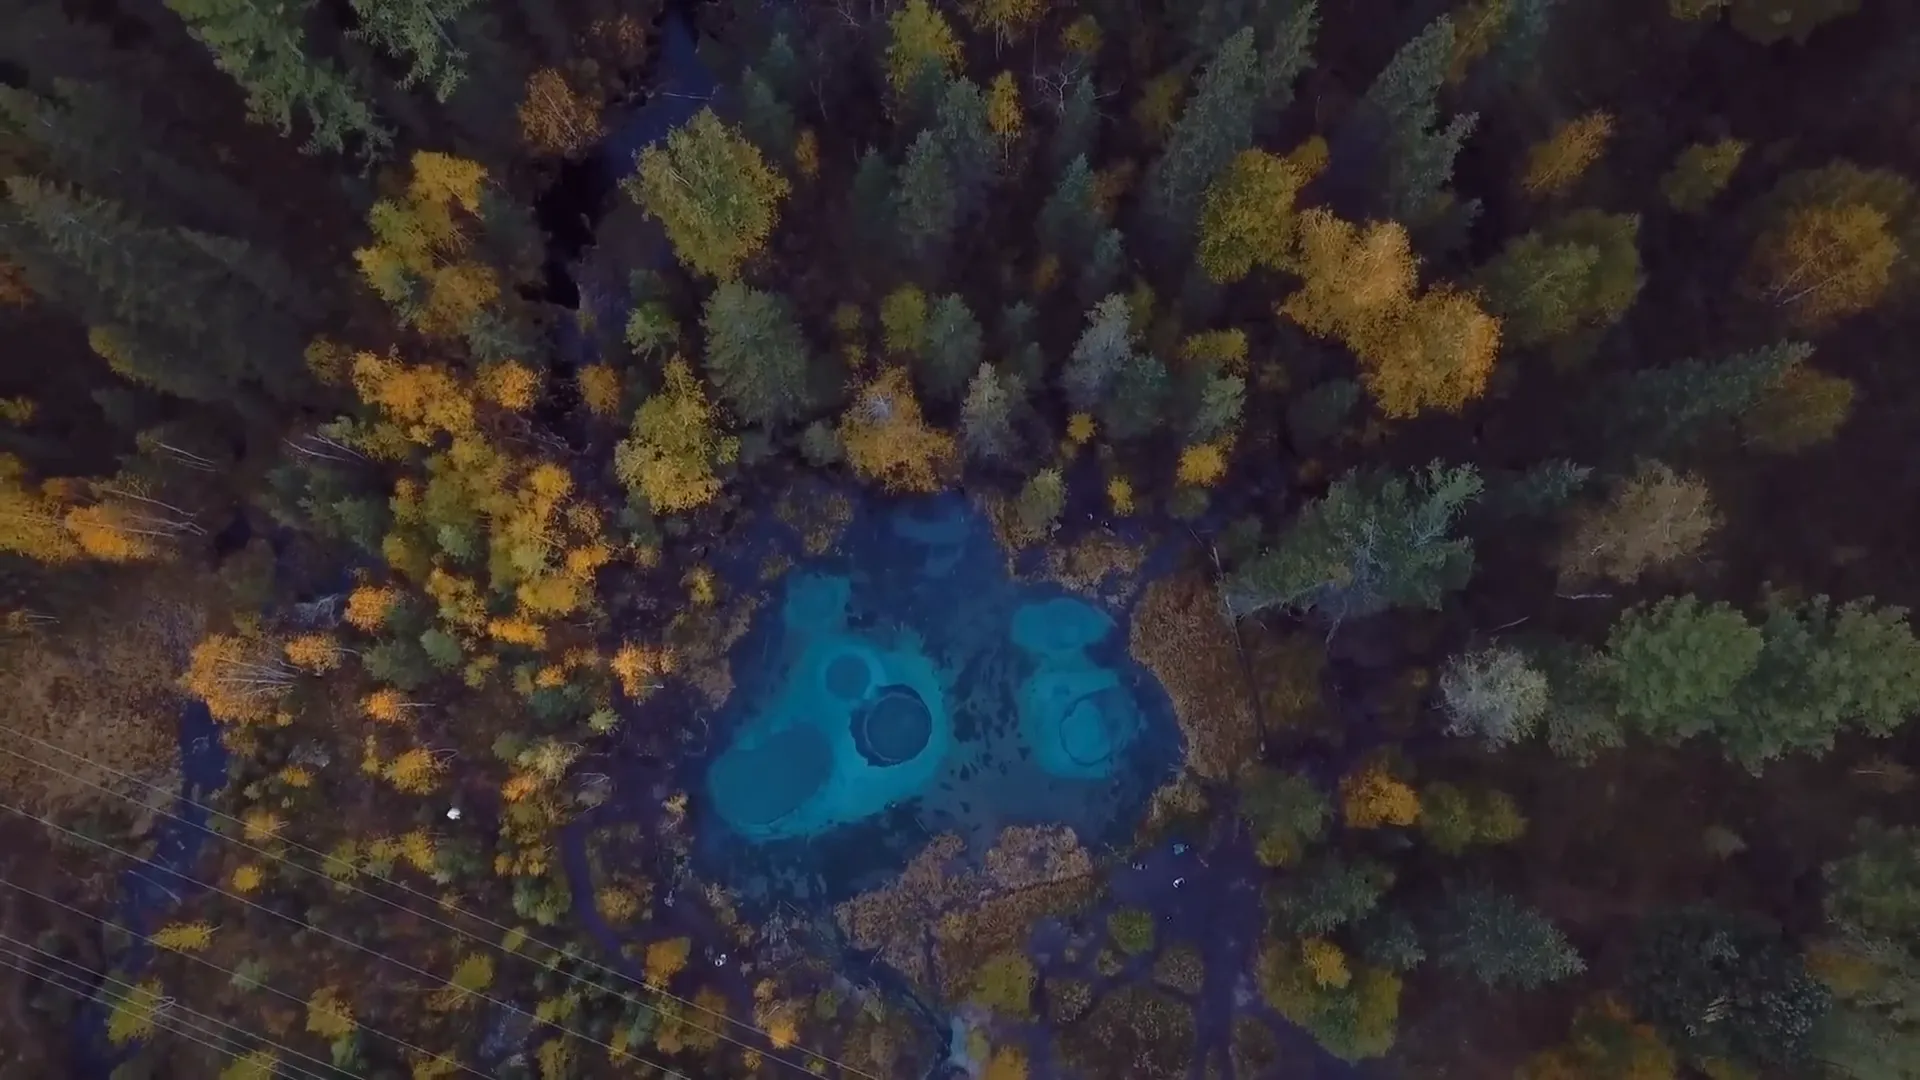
1481 428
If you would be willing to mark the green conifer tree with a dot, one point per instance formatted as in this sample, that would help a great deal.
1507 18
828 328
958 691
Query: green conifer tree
1216 124
952 352
262 45
757 357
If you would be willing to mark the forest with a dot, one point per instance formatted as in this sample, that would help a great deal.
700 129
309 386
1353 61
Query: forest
920 539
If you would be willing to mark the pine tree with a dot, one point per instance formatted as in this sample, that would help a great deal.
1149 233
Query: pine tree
1099 354
986 416
756 355
765 119
1500 941
1216 124
1069 219
967 140
261 44
199 316
421 32
717 197
1372 542
952 353
1076 130
1103 266
92 138
870 208
1396 122
926 204
1134 403
1658 409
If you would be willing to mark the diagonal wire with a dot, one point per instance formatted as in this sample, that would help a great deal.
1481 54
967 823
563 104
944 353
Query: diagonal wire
476 916
162 1007
232 974
329 935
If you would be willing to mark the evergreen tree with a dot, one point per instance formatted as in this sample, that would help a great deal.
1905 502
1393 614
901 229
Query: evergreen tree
182 305
1102 350
1076 130
765 119
1102 268
96 140
1213 409
1216 124
952 352
262 45
1070 218
1654 410
967 141
420 32
1372 542
1737 969
1500 941
870 210
1395 122
926 208
986 416
1134 403
756 355
1318 415
1333 892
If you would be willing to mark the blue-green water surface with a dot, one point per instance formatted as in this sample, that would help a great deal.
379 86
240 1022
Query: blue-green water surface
907 685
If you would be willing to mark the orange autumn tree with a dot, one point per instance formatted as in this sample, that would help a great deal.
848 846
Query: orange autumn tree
887 441
1557 162
1417 351
1371 798
421 261
243 678
555 118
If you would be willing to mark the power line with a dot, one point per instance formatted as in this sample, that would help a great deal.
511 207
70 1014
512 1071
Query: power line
160 1007
476 916
232 974
394 960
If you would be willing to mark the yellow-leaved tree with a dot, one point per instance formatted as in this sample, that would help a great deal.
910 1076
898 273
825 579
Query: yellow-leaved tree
421 261
1417 351
1248 217
676 444
920 41
1557 162
887 441
713 192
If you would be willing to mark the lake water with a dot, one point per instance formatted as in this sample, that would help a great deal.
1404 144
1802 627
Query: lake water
907 685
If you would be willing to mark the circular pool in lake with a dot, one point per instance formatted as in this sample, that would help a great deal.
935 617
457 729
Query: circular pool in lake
907 685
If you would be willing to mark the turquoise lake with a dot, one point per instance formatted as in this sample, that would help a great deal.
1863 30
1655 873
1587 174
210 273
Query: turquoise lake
907 685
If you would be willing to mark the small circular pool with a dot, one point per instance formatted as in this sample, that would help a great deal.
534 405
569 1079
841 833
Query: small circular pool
894 728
